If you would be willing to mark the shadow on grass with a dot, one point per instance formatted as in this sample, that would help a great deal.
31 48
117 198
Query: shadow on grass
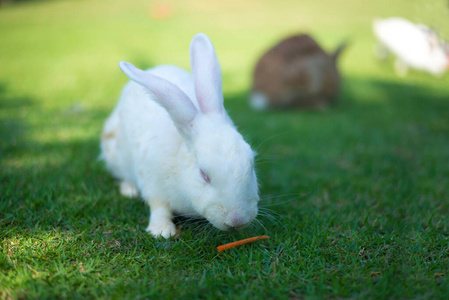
20 2
56 183
12 127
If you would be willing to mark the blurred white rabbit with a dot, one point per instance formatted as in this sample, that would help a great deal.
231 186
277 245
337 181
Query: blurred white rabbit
415 45
170 140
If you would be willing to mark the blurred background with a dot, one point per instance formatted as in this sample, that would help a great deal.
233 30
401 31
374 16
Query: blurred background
65 52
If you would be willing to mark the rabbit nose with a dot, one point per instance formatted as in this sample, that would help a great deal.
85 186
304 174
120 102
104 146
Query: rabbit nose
236 220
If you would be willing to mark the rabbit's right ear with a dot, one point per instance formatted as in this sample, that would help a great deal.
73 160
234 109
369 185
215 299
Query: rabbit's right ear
207 74
172 98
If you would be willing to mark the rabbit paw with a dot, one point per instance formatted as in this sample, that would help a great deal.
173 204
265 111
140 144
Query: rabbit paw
161 223
165 229
128 190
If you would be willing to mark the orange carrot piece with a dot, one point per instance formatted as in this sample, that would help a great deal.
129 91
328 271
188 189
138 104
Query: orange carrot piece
241 242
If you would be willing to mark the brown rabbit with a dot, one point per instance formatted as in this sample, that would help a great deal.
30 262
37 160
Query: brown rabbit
296 73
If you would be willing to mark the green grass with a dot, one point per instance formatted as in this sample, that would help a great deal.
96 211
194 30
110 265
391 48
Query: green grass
359 193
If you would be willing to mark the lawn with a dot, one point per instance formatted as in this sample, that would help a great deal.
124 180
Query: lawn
355 198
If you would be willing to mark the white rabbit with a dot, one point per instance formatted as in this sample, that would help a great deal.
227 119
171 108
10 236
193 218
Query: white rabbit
415 45
171 140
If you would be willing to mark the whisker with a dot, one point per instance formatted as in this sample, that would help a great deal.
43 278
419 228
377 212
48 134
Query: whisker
268 217
271 217
260 223
264 205
272 137
268 212
265 157
280 196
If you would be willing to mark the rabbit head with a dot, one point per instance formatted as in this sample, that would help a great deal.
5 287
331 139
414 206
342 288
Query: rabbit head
217 177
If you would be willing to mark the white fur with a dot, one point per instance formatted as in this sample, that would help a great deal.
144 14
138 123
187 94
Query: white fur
415 45
167 126
128 189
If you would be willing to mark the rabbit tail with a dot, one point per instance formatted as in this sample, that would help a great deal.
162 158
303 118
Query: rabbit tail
109 143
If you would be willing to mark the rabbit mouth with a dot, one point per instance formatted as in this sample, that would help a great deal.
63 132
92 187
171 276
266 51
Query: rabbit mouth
226 220
226 227
237 226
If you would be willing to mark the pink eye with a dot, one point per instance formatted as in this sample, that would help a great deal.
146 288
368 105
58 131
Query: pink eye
205 177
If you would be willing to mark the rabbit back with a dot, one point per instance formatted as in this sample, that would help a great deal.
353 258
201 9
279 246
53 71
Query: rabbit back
297 72
139 132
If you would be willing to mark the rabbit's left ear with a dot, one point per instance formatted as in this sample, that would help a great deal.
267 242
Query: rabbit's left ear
207 74
171 97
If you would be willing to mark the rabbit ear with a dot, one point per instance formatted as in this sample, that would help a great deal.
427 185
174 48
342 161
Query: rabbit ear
207 74
172 98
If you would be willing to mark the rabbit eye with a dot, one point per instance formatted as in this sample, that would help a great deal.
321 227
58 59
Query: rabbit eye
205 177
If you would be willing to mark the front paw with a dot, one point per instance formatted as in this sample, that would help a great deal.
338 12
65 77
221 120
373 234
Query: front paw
164 229
128 190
